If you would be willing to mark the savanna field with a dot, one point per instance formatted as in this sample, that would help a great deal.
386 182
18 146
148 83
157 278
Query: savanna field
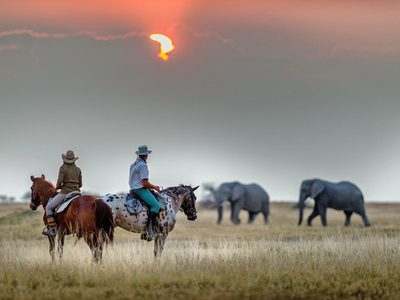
204 261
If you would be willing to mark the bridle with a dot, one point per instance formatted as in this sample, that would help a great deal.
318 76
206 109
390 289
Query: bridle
187 206
36 202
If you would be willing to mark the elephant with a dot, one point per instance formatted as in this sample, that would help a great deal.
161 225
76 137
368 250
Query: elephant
343 195
250 197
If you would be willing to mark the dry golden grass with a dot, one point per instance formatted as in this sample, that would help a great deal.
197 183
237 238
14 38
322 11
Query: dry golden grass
205 261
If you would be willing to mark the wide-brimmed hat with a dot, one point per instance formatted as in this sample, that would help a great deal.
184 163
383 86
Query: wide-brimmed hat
143 150
69 157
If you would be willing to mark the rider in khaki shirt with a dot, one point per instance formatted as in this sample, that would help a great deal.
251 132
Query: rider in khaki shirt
69 180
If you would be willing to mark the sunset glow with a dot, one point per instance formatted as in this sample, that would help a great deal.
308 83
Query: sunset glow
165 42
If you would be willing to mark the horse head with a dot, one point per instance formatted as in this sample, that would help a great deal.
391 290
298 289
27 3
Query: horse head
40 189
188 205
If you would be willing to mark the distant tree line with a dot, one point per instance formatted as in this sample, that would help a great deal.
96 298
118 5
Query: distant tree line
6 199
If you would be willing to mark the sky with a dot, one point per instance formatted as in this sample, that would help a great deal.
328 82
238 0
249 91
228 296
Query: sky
272 92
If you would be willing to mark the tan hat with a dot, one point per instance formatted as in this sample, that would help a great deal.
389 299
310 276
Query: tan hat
69 157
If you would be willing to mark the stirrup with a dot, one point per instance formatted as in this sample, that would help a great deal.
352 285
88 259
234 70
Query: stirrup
152 235
145 237
49 231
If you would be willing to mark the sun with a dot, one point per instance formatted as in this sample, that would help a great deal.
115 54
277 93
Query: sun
166 44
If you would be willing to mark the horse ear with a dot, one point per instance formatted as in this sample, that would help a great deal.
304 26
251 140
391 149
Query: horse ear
43 176
32 178
195 188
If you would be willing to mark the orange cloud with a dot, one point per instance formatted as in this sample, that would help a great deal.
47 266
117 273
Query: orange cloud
363 51
92 35
97 15
115 37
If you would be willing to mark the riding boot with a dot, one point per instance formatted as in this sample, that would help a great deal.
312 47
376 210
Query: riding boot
144 235
151 226
50 229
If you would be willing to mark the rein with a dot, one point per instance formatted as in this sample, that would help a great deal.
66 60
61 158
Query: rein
37 203
187 207
182 199
174 195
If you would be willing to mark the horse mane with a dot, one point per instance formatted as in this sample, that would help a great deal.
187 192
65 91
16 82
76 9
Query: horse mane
176 189
45 185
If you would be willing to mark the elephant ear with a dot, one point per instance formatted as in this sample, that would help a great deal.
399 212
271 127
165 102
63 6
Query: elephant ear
238 192
316 189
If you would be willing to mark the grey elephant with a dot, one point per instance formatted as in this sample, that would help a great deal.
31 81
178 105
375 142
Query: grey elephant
250 197
344 196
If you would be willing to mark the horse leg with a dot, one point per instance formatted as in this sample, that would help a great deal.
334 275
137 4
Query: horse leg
159 246
100 239
90 242
51 247
95 244
60 244
98 252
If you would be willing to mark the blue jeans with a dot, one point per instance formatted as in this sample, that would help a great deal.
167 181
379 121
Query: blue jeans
53 203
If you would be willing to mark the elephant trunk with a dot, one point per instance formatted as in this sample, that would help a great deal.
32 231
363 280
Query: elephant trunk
301 208
220 212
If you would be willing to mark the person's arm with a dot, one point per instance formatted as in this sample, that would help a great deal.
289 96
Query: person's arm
146 183
144 176
80 178
60 179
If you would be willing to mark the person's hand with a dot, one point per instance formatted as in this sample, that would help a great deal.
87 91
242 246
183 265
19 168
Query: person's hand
157 188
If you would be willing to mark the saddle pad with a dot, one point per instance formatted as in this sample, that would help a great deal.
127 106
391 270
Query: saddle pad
162 201
135 206
72 195
65 204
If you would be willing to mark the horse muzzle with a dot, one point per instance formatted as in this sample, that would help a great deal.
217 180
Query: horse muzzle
33 206
192 217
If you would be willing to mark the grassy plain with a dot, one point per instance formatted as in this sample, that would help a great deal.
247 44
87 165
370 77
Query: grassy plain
204 261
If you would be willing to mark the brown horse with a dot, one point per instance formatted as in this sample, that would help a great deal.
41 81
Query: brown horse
86 217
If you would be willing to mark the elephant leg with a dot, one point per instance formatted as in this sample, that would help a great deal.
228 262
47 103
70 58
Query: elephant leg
322 213
365 218
348 216
265 213
235 214
252 217
314 213
220 214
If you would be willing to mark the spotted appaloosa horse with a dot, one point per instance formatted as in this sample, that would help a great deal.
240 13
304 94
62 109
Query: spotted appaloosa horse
177 198
87 217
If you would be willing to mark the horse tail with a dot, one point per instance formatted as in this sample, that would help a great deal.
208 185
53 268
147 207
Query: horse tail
104 221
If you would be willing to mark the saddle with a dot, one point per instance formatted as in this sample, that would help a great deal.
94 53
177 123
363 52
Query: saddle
135 205
67 201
